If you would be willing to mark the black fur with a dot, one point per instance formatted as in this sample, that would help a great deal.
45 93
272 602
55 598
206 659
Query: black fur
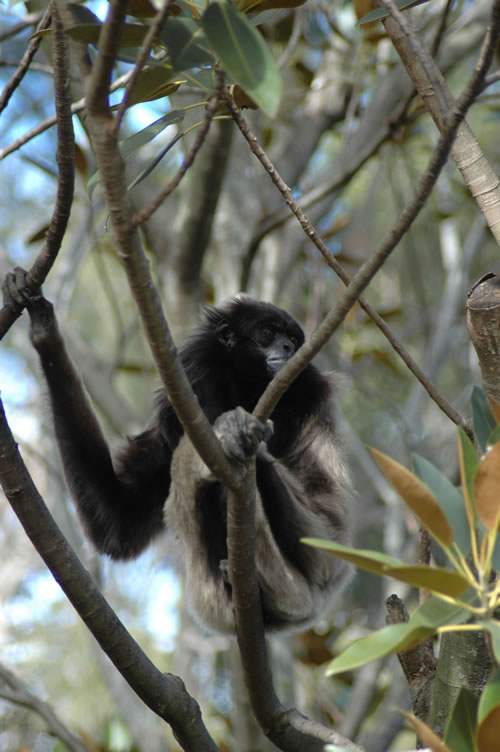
303 489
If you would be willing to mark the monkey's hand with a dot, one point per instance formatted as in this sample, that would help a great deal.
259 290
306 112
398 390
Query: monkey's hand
240 434
17 296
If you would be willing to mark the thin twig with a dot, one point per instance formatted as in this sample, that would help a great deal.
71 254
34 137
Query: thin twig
65 160
26 59
149 39
18 692
315 237
210 111
11 31
37 130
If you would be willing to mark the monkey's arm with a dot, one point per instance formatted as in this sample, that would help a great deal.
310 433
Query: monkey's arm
121 510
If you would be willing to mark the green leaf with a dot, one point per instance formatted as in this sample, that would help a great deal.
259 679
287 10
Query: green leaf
417 496
186 44
449 498
488 732
486 485
147 134
244 54
372 561
131 36
482 417
379 13
469 463
434 579
493 627
153 83
460 731
131 144
261 5
426 620
384 641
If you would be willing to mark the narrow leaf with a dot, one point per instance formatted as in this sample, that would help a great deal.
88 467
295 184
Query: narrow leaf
391 639
144 136
460 731
488 732
426 620
379 13
260 5
372 561
427 735
493 628
434 579
490 698
449 498
418 497
131 36
243 54
131 144
495 409
486 488
468 462
482 417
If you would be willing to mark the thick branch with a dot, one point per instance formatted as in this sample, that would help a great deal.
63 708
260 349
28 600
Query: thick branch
476 171
105 144
483 323
288 729
163 693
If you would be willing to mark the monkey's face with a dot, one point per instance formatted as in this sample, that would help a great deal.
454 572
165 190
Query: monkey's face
260 342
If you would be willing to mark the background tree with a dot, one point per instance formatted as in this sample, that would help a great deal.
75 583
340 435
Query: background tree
352 139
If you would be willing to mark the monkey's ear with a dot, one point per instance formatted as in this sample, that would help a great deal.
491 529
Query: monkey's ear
225 335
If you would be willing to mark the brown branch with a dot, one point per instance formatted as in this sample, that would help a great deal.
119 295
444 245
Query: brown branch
165 694
210 111
315 237
65 156
288 729
29 20
149 39
476 171
26 59
105 144
483 324
37 130
418 663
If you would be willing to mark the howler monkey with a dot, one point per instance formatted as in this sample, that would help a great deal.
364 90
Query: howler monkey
158 480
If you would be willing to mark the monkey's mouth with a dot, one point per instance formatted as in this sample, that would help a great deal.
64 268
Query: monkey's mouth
276 364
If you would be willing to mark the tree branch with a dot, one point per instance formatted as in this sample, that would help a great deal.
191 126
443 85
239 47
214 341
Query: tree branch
65 157
165 694
210 111
476 171
25 63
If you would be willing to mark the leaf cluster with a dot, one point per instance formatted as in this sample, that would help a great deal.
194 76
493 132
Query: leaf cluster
194 44
465 594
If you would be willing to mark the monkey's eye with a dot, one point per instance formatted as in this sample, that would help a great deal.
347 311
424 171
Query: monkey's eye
267 333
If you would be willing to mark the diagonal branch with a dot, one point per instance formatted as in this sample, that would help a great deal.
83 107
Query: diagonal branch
25 63
65 157
165 694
